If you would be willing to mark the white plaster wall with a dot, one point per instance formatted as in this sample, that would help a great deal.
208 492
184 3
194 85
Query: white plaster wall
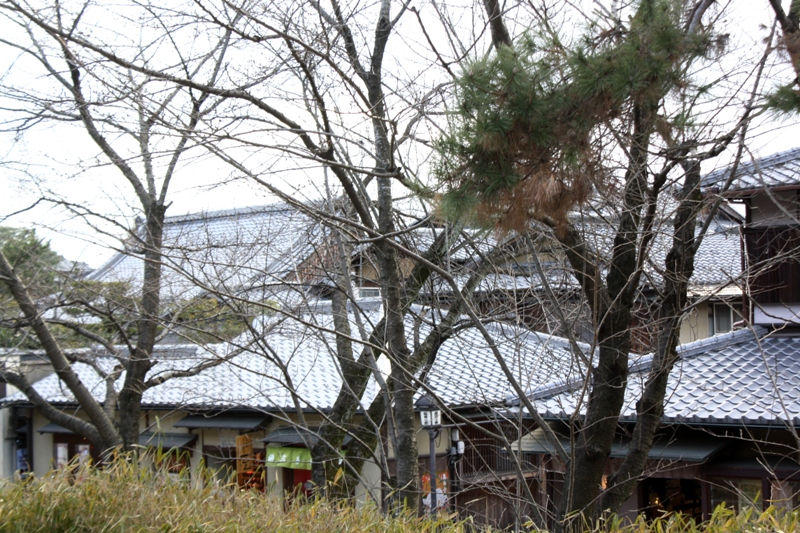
777 207
369 489
42 446
8 460
694 325
443 441
155 421
196 460
776 314
274 481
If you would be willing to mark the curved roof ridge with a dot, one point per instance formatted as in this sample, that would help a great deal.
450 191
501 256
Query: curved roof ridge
695 348
235 211
755 174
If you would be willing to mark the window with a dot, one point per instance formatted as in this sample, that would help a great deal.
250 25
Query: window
68 447
672 495
62 455
720 320
174 463
84 453
739 494
21 425
369 292
723 318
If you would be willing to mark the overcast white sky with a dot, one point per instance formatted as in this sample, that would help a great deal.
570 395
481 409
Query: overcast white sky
50 155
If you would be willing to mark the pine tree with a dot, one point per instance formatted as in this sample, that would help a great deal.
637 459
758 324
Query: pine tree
543 127
34 262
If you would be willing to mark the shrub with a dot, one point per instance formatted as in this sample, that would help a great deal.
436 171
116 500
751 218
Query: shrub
130 498
127 498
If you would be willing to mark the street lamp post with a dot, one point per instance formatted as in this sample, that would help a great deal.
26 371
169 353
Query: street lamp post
431 419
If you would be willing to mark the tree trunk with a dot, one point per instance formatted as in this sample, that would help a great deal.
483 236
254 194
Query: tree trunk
104 434
609 376
790 25
399 355
356 376
140 362
650 407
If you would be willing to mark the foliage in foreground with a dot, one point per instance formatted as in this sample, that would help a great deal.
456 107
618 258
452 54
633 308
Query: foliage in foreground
723 520
126 498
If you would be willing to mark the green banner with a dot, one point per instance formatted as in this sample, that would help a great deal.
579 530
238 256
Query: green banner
297 458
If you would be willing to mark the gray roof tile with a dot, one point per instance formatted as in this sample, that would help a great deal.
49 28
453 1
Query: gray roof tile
777 170
229 250
742 377
465 371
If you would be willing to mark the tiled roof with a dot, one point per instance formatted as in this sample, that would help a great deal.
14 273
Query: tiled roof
777 170
465 371
466 246
743 377
226 250
718 263
249 380
258 250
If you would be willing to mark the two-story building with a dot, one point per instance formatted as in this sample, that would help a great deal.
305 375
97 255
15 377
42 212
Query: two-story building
729 431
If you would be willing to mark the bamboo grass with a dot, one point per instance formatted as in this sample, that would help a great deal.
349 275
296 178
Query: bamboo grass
126 497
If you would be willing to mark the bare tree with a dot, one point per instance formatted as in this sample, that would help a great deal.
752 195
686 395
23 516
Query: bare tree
319 56
786 98
327 56
142 128
320 86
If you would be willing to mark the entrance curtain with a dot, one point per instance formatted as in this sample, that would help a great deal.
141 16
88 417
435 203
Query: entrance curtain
297 458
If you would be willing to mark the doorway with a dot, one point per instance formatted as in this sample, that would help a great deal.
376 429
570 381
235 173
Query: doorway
672 496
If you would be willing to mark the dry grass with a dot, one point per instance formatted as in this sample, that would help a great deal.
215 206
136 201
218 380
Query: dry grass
723 520
127 498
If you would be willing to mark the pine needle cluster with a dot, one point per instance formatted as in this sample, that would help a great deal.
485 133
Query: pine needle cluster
525 140
785 100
